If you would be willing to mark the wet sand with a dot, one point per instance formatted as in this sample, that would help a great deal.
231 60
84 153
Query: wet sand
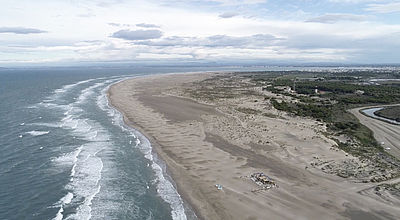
204 145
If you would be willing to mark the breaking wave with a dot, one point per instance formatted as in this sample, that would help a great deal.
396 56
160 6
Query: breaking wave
165 187
37 133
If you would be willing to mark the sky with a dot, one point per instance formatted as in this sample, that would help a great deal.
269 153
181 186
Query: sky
253 31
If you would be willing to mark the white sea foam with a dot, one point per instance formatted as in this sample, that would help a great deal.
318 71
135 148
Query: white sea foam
165 188
50 125
53 105
33 106
68 158
59 215
67 198
63 201
86 166
85 210
87 175
68 87
37 133
88 91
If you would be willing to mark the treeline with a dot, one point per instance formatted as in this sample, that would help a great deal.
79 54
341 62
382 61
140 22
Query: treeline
345 92
320 112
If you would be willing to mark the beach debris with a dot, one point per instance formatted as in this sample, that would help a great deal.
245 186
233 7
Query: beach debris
262 180
219 186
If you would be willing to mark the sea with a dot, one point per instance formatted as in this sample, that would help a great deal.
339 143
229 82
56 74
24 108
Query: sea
65 153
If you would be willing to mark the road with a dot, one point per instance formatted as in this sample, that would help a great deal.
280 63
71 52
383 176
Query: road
384 132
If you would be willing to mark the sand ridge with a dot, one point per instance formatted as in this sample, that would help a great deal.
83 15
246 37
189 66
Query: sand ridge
207 144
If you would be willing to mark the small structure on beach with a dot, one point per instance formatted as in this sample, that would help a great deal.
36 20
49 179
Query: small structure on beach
219 186
262 180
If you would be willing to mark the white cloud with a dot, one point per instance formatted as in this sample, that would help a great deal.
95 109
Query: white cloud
188 32
253 41
115 24
144 25
333 18
229 14
21 30
239 2
137 34
353 1
392 7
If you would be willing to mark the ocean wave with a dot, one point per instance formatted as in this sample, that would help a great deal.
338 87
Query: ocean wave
50 125
67 198
165 188
59 93
59 215
85 180
68 87
68 158
85 174
85 166
90 91
61 203
37 133
87 92
84 184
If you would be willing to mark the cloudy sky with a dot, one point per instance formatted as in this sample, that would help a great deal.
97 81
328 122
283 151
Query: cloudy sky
71 31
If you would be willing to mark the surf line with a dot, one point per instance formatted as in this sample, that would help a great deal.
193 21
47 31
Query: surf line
165 188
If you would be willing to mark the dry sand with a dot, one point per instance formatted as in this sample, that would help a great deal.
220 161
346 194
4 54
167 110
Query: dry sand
204 145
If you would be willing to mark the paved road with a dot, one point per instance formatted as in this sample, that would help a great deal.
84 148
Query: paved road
383 131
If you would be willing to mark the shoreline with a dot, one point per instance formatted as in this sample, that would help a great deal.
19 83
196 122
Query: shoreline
204 145
189 209
159 160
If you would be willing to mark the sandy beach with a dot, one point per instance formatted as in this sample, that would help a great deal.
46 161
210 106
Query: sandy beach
205 143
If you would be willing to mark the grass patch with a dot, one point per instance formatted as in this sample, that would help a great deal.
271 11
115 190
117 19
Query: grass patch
392 112
249 111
